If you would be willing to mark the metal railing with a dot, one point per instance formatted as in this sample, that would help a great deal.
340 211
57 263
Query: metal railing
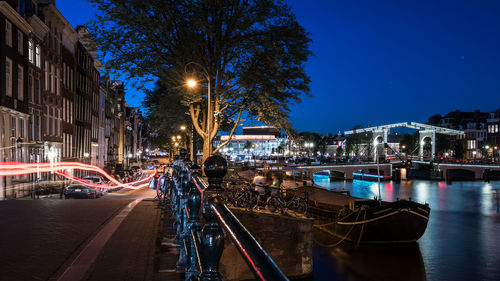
201 247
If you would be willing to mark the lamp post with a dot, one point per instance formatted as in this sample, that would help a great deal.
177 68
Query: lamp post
192 83
375 143
487 150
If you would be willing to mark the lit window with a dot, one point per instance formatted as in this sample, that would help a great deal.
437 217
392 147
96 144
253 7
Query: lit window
38 61
30 51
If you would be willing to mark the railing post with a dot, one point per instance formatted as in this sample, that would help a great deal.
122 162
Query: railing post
181 215
212 236
193 226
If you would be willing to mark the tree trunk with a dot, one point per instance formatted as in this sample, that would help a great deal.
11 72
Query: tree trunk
206 144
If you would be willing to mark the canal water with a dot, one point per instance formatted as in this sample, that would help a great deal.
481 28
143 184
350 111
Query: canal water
462 240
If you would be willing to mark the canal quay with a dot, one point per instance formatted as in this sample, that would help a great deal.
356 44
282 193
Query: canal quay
462 240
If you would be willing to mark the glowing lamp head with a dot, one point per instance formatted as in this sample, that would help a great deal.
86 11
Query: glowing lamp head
183 128
86 154
191 83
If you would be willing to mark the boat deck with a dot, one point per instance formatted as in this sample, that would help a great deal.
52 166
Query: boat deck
334 198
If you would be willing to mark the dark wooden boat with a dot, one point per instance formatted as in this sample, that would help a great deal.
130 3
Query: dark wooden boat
364 221
370 175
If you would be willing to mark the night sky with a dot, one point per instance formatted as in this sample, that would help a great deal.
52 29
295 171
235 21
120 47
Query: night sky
379 62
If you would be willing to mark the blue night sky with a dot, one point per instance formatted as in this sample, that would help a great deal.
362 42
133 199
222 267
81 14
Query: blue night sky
387 61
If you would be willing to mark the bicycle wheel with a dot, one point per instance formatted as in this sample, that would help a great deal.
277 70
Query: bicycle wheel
160 194
302 207
272 204
252 202
241 198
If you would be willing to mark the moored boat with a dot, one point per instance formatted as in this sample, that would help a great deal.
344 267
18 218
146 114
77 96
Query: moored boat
364 221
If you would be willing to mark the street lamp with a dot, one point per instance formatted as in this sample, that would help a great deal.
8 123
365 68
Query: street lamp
191 84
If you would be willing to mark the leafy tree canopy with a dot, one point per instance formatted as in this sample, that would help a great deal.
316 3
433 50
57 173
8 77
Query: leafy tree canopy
252 52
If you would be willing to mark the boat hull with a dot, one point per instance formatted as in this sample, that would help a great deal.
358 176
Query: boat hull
396 222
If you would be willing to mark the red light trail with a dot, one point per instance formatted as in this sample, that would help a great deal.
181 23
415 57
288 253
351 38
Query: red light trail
15 169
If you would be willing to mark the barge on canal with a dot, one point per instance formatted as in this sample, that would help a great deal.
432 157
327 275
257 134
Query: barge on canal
363 221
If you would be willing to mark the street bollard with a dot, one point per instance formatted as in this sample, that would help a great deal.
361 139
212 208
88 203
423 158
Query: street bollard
212 236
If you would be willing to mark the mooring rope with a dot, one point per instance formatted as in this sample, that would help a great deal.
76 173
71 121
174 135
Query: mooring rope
343 238
362 229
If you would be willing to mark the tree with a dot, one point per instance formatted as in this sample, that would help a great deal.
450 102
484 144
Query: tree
409 143
458 149
315 139
252 52
443 144
340 151
164 119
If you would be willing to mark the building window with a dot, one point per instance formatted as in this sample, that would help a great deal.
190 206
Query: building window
8 33
20 42
30 51
8 77
21 128
58 81
37 127
13 126
37 54
46 76
31 88
52 79
20 82
37 90
31 129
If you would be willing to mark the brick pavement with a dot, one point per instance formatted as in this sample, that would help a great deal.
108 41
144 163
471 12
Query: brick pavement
40 238
37 238
130 253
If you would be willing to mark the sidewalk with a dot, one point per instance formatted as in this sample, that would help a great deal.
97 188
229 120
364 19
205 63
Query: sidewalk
130 253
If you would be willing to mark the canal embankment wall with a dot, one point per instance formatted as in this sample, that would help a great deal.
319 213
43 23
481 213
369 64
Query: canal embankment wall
287 239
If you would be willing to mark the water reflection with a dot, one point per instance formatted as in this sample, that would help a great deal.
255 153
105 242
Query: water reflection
462 240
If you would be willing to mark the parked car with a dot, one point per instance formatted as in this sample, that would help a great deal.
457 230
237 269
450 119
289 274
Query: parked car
96 180
80 191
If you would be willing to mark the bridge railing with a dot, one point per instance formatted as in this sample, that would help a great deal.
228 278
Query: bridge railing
201 247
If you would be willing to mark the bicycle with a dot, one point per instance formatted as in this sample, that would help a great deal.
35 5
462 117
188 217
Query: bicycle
244 197
277 200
